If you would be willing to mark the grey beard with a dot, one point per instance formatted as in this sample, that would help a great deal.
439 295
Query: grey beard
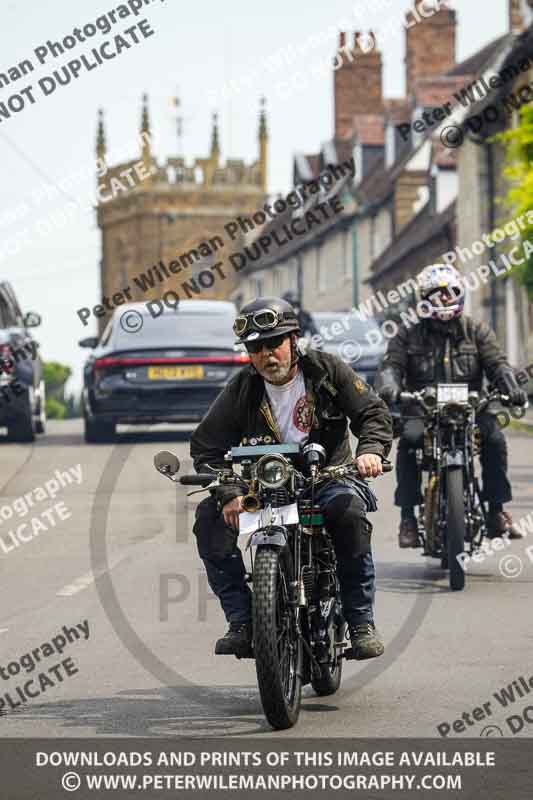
281 376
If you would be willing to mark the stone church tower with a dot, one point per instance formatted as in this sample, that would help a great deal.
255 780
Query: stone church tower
152 215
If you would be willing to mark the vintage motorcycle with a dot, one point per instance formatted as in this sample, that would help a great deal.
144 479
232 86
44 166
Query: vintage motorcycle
452 517
298 627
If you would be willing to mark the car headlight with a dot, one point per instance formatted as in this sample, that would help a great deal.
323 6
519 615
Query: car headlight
272 471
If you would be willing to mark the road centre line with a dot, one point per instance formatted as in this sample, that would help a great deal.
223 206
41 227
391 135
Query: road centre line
84 581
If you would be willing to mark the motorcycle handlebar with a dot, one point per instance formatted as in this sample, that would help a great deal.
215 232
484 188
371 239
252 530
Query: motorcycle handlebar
201 479
204 478
406 397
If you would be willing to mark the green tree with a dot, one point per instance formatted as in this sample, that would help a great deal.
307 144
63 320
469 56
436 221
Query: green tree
54 409
57 405
519 172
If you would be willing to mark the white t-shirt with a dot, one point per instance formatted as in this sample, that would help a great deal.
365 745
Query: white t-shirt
291 408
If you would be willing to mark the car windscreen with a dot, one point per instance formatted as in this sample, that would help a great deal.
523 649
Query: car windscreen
207 330
338 328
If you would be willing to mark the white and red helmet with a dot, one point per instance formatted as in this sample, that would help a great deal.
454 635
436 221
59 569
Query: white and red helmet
440 286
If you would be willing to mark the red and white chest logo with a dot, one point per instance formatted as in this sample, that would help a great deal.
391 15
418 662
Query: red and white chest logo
302 415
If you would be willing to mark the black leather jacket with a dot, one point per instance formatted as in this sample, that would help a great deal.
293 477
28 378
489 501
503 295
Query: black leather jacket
241 415
463 351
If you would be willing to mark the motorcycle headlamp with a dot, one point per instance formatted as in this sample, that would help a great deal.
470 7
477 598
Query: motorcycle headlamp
430 397
455 412
272 471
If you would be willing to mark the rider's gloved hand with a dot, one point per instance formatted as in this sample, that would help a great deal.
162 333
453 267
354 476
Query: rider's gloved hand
508 385
518 398
369 465
389 394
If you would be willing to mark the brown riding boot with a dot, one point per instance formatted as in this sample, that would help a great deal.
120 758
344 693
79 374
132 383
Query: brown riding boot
501 524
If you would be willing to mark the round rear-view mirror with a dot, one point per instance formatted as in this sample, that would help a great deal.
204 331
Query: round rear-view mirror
166 462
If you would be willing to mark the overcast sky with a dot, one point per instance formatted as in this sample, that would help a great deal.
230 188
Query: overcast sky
197 49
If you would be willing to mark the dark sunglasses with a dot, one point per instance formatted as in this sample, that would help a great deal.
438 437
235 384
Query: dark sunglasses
270 344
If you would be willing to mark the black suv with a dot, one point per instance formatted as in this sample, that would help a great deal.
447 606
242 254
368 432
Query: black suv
22 394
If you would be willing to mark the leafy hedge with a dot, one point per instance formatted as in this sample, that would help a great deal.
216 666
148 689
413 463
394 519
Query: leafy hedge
519 172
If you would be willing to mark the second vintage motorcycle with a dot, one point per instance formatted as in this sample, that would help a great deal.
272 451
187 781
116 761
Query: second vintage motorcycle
452 518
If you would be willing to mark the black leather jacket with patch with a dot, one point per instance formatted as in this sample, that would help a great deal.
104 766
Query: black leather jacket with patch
337 396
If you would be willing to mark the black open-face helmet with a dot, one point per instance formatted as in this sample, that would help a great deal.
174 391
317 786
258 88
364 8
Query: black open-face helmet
264 318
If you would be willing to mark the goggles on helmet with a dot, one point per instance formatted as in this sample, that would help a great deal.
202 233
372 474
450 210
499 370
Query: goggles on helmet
263 320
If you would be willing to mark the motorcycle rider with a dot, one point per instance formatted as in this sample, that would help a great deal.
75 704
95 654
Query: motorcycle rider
448 347
305 319
286 396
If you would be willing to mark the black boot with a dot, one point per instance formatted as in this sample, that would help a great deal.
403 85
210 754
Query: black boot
237 641
365 641
408 535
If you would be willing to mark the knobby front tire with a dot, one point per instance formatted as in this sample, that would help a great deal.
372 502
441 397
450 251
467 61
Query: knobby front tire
278 651
455 527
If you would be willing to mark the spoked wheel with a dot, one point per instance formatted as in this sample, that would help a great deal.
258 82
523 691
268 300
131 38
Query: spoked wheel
278 649
330 676
455 527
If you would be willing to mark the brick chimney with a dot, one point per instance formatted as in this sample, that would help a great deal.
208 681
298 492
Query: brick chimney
358 87
429 47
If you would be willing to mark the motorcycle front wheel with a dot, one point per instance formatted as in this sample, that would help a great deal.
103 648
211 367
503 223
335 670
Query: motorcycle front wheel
277 647
455 527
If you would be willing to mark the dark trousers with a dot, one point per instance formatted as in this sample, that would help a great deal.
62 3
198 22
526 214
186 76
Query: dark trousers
345 519
493 457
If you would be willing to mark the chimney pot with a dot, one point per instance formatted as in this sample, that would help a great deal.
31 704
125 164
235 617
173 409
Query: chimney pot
430 47
358 85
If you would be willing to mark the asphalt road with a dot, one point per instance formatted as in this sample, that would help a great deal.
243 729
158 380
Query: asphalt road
147 667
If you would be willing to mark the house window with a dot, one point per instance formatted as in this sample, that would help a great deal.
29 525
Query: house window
358 163
390 145
373 239
283 278
417 138
320 271
347 264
